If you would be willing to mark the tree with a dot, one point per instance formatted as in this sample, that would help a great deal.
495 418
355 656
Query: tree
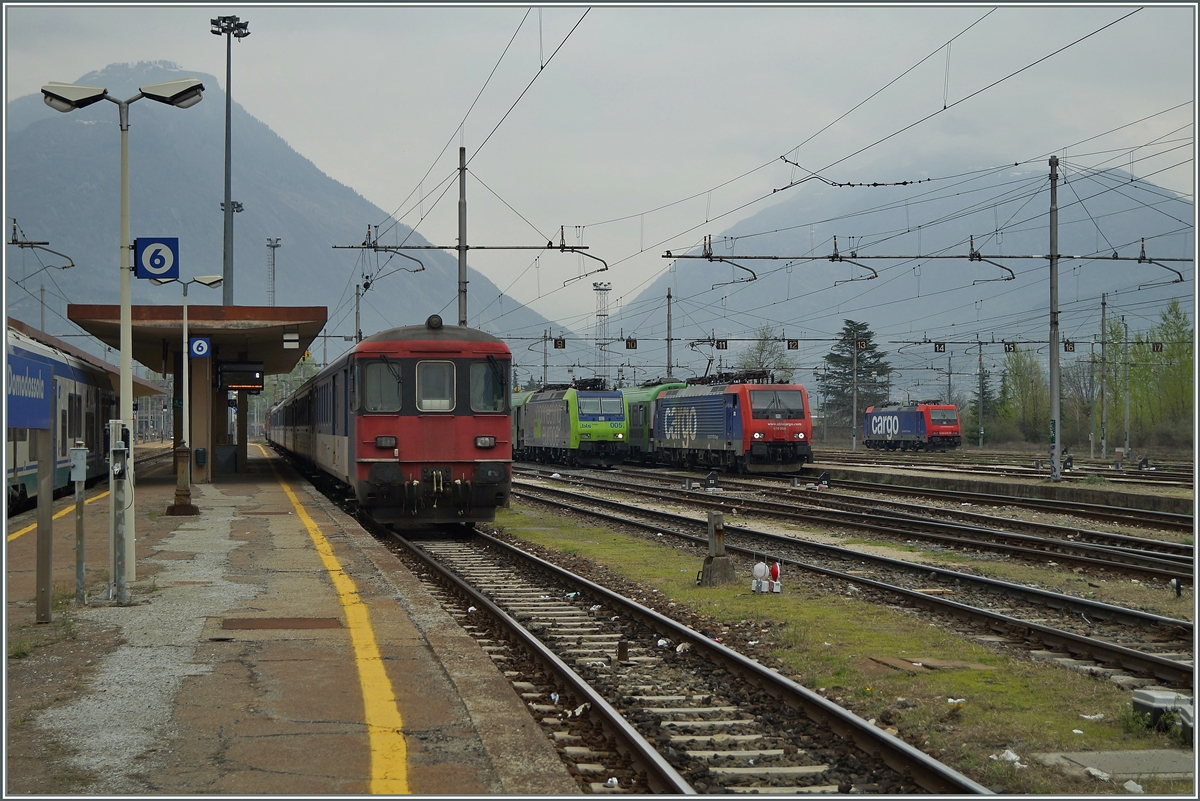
767 353
837 380
1025 395
969 416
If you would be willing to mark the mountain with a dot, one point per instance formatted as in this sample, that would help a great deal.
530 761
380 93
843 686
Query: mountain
63 186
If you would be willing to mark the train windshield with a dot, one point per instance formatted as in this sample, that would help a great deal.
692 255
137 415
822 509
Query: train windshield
597 405
435 386
776 404
488 385
943 417
381 386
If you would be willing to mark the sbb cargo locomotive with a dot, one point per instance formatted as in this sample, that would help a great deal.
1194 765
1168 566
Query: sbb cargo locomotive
926 425
415 420
736 426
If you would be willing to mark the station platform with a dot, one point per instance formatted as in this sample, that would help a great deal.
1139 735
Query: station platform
271 646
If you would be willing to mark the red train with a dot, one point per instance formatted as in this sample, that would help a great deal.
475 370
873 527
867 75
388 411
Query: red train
414 420
926 425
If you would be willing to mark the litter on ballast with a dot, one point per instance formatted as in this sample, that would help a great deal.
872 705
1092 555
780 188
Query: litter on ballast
957 702
1134 787
612 782
1097 774
470 609
555 475
1093 717
1076 731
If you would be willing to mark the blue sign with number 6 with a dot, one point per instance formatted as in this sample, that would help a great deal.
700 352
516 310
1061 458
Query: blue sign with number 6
199 347
156 257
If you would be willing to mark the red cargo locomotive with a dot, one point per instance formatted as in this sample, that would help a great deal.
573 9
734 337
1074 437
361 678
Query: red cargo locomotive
415 420
735 422
925 425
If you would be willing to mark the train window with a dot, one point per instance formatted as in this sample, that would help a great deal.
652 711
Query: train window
944 417
487 386
589 404
381 386
435 386
612 406
777 404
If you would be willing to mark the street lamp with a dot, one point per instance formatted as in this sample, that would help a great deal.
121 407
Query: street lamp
182 93
231 28
183 490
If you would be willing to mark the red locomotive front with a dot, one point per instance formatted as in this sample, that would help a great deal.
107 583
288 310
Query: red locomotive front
777 432
432 438
415 420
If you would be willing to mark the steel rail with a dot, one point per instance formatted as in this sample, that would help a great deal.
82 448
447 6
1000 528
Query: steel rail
929 773
957 534
1160 667
659 774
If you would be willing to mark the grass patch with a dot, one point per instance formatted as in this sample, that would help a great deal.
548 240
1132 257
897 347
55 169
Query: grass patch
830 641
19 649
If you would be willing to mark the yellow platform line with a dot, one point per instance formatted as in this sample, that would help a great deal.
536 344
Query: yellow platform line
385 727
66 511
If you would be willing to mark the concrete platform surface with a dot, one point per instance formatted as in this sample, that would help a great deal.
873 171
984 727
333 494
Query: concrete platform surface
244 663
1122 765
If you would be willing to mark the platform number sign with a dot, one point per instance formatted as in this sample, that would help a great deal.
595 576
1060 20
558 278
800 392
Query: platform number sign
1156 347
1068 346
861 344
560 343
939 347
630 343
1010 347
156 257
722 344
793 344
199 347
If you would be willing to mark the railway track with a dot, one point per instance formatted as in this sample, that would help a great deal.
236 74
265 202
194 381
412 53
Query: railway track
682 712
1139 518
1162 561
1038 468
1095 637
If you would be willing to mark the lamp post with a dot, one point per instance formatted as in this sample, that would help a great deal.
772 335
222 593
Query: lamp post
183 489
182 93
231 28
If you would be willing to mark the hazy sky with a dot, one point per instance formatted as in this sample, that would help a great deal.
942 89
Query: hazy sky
597 120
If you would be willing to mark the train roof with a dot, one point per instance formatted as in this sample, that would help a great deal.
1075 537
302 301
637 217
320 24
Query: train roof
433 329
721 389
31 339
644 393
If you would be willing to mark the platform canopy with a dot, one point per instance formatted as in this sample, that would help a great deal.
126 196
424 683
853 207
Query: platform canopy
236 333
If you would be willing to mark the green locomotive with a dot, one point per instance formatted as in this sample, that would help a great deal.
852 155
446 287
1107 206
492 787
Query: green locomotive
565 425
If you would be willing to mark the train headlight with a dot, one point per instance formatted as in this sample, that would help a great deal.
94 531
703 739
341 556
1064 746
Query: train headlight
759 435
620 436
385 442
799 435
485 442
490 473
